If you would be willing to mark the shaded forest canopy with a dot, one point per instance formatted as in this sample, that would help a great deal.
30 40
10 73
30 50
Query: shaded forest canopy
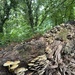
24 19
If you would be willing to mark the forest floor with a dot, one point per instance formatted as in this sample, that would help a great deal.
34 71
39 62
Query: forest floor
50 54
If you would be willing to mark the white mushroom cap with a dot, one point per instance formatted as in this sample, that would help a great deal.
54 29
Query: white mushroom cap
39 58
14 67
22 69
16 62
31 64
8 63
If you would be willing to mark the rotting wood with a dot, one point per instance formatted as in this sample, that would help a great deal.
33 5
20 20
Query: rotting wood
59 48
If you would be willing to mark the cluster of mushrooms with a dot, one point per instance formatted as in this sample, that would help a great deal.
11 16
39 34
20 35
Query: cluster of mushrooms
39 64
13 66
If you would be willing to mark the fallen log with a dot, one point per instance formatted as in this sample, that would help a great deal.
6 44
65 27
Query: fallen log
57 46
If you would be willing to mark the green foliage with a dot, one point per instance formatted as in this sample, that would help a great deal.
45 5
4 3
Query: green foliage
26 18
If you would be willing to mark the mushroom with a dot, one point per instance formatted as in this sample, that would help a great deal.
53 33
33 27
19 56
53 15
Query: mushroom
16 62
20 71
30 64
12 64
13 67
8 63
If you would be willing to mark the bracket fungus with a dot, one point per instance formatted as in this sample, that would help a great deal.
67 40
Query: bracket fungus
8 63
12 65
20 71
15 65
16 62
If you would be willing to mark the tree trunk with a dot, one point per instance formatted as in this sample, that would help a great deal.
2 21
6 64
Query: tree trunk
1 29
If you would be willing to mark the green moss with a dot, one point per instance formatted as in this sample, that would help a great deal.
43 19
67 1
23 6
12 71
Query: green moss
63 34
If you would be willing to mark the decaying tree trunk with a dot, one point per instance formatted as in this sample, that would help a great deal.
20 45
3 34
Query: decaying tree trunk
51 54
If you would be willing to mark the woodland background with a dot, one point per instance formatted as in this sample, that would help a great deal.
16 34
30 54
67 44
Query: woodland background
22 19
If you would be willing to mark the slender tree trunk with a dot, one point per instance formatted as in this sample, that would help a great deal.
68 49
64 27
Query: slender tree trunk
30 13
1 29
1 26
